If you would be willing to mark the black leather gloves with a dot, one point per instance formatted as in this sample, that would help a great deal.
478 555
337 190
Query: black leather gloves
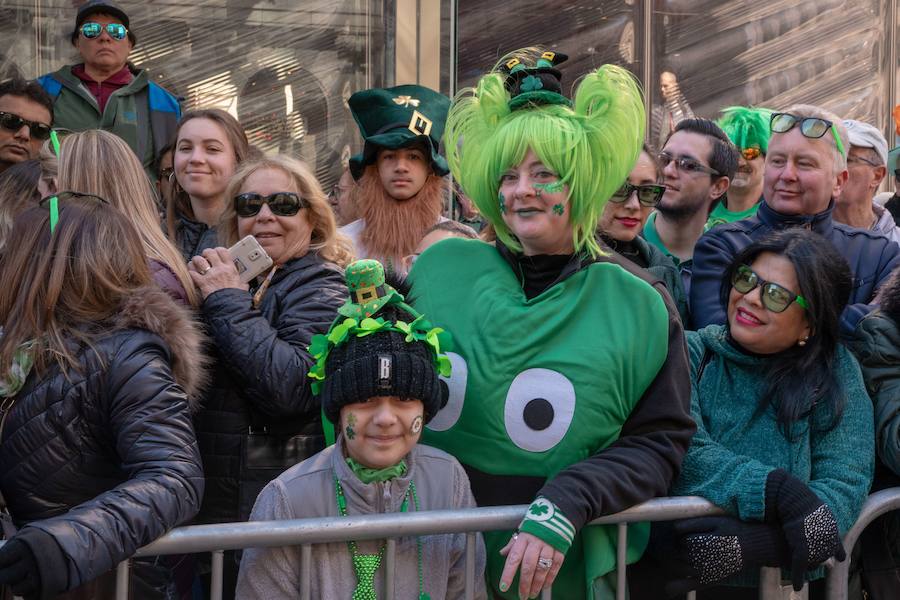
19 569
808 524
715 548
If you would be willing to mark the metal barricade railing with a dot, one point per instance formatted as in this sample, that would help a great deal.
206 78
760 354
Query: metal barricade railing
308 532
877 504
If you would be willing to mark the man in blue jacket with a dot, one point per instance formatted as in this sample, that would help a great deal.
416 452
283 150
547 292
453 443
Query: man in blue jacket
806 168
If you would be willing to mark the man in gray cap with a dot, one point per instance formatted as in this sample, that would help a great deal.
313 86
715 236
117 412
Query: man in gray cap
105 91
867 165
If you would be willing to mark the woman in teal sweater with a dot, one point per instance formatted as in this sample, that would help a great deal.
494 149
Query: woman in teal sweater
784 440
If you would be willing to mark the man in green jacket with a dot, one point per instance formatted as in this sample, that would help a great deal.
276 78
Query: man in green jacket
106 91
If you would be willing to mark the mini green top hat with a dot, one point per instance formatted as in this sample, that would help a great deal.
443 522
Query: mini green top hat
368 291
540 84
398 117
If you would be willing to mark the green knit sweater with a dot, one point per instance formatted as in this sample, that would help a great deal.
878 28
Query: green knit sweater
735 448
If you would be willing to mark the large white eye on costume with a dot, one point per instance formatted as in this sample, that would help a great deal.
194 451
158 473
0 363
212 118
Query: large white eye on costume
539 408
455 388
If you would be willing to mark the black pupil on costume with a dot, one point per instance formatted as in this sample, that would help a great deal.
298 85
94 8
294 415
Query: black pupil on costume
538 414
445 392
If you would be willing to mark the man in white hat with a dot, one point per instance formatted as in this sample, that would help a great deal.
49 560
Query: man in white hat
867 165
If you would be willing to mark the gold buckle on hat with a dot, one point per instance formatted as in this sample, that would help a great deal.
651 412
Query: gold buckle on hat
548 55
406 101
366 294
512 62
419 124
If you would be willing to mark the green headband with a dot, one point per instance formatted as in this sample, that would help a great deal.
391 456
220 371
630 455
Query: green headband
54 201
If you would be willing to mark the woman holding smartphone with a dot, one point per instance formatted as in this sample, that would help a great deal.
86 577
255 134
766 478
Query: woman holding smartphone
260 416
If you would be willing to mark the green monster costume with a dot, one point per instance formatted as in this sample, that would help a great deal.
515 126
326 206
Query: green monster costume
545 388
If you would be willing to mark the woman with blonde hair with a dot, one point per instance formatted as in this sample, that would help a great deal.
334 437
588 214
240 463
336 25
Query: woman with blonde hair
101 163
210 144
98 371
260 416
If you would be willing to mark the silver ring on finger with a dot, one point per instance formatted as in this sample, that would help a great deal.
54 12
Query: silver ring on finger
206 270
544 562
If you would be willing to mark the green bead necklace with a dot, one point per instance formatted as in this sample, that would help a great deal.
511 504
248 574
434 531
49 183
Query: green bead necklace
366 565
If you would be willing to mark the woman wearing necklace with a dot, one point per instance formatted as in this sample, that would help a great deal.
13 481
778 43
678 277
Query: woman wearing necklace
381 390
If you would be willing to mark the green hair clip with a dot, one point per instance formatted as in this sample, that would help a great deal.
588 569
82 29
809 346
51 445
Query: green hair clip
365 280
54 201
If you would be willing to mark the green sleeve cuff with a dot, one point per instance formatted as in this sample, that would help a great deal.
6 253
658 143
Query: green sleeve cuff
544 520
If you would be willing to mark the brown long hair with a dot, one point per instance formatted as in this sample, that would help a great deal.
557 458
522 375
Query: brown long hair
325 240
61 287
101 163
18 192
180 202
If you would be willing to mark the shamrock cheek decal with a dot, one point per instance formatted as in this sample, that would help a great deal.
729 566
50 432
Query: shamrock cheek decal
501 202
455 388
539 408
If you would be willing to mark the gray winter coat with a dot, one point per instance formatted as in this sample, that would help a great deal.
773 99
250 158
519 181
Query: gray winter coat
307 490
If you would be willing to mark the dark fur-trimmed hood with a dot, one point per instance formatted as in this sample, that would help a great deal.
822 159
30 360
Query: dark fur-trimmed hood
889 296
152 309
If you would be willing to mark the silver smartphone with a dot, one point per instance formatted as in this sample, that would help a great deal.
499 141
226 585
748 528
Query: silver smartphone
249 258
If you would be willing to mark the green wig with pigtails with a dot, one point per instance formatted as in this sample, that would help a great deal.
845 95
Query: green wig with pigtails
747 127
591 142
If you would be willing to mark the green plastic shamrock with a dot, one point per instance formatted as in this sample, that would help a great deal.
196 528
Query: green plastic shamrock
531 84
538 509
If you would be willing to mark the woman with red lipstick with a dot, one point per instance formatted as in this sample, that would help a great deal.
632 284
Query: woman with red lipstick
260 416
623 220
784 440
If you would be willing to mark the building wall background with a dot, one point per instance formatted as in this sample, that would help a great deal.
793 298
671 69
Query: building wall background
285 68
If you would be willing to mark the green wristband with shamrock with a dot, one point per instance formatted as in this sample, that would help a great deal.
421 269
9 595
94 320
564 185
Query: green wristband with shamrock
544 520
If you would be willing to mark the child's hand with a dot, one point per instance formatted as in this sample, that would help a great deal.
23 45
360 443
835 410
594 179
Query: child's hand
540 563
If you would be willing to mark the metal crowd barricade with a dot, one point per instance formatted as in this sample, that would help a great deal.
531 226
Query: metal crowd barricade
877 504
308 532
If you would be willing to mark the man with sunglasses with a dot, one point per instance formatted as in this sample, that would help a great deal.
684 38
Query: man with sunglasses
25 116
105 91
748 130
867 167
806 169
697 164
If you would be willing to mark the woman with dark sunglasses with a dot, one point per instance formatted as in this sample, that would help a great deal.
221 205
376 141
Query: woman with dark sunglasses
260 417
784 440
623 220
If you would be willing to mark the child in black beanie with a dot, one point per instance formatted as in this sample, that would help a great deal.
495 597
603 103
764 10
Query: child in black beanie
377 373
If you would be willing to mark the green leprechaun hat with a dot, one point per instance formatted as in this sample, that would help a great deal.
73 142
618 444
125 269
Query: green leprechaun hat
368 290
398 117
540 84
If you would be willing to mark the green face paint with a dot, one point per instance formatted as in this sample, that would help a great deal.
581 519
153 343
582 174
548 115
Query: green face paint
501 201
558 209
551 188
348 430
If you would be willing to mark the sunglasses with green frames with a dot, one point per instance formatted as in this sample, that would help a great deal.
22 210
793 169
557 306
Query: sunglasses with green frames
775 298
811 127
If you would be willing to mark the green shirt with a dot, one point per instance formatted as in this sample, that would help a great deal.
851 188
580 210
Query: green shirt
720 214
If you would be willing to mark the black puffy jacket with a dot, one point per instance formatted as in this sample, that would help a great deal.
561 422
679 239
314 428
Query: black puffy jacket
98 463
260 380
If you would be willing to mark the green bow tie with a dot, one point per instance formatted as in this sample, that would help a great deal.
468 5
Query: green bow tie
365 566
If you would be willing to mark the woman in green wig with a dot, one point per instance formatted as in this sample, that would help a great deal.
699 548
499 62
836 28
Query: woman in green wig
570 387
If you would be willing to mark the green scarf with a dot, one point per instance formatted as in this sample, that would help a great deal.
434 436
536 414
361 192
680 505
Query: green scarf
367 475
14 379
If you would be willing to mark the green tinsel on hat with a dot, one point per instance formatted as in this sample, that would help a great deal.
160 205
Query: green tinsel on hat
357 318
747 127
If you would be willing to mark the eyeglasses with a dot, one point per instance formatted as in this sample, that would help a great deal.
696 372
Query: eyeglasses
647 195
775 298
12 122
52 202
282 204
92 30
166 172
811 127
683 163
860 159
751 153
